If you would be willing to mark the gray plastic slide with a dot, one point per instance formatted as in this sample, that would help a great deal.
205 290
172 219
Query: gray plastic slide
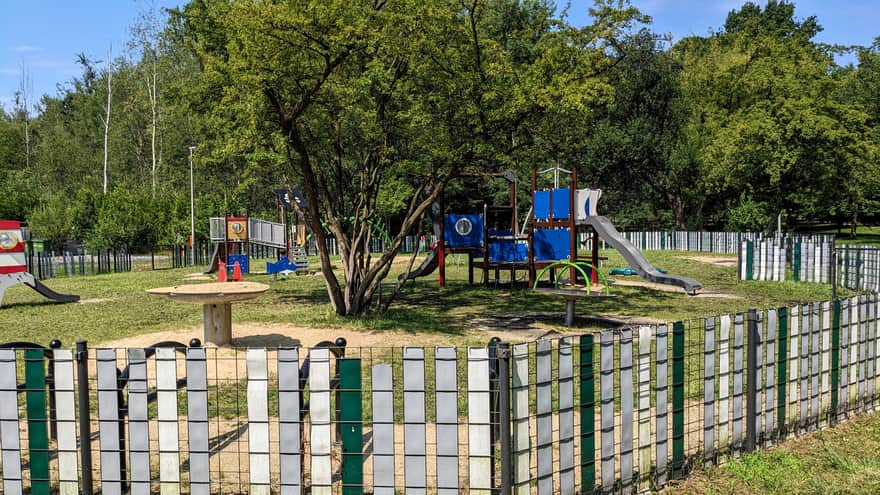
24 278
635 258
428 265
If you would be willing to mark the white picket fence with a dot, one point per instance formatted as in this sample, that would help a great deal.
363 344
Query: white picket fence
764 259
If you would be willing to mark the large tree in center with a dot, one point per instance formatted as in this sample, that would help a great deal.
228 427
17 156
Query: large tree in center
345 97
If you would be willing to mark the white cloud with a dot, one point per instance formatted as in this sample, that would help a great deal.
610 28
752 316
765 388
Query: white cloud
26 49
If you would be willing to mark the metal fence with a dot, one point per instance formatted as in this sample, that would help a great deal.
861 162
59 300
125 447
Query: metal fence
68 264
620 410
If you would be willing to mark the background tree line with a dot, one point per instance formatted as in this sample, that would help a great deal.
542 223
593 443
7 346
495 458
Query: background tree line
373 108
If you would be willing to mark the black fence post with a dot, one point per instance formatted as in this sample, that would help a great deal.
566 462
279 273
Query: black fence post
751 381
85 427
503 354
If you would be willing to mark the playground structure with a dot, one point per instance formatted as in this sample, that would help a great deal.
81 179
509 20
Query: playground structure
232 237
558 215
13 266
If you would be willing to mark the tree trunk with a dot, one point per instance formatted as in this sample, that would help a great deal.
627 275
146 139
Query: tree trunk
854 223
107 117
154 118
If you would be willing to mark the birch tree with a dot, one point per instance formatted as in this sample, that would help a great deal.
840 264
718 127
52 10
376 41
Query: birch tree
23 108
106 118
146 33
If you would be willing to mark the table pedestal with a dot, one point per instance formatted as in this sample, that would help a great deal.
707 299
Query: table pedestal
218 324
569 312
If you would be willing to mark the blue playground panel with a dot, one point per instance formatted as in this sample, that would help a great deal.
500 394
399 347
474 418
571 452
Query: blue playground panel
461 237
560 203
561 200
242 260
552 244
542 205
279 266
508 251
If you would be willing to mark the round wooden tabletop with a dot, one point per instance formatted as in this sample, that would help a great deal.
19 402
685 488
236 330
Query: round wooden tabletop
212 293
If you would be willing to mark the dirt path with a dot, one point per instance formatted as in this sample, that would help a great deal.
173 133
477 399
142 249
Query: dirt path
715 260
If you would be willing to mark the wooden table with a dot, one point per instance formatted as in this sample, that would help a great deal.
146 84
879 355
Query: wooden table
570 296
216 298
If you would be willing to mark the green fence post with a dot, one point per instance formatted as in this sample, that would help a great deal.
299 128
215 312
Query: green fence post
678 399
38 434
351 417
835 359
782 362
588 416
796 262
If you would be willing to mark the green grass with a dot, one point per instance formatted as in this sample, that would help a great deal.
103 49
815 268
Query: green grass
841 460
868 235
116 305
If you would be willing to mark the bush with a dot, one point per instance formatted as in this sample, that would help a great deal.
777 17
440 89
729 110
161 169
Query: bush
51 221
748 216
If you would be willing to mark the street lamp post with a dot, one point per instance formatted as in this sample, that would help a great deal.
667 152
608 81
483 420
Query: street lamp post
192 211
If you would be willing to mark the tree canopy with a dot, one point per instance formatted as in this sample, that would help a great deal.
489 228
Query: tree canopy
374 108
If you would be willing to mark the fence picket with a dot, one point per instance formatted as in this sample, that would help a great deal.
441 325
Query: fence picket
520 416
662 418
759 379
805 365
724 383
644 373
876 332
108 422
606 394
383 430
446 404
166 399
289 422
709 390
738 342
626 410
10 443
854 347
68 477
138 423
414 443
479 427
566 418
350 407
197 421
544 418
319 415
258 421
588 416
825 402
815 350
843 399
770 373
793 367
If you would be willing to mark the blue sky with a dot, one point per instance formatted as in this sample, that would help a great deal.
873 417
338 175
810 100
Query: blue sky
46 35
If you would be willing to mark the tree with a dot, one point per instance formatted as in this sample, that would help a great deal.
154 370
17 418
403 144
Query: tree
348 96
767 112
146 34
108 75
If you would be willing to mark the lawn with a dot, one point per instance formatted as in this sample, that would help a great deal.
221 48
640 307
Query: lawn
115 306
841 460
